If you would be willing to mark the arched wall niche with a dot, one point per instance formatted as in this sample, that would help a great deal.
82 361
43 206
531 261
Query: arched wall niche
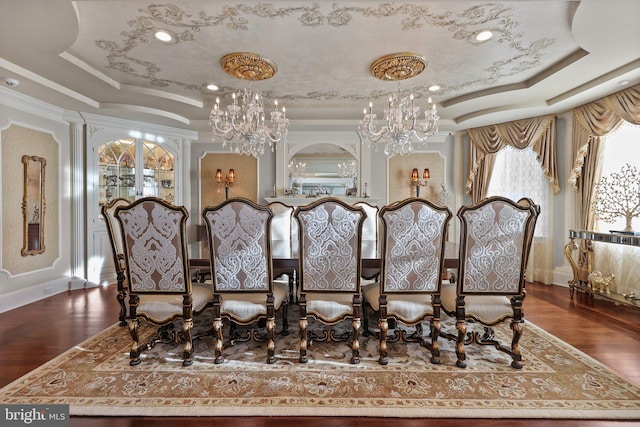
321 145
321 171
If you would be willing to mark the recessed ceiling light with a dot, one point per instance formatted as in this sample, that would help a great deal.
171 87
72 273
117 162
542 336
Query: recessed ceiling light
212 87
484 35
623 82
434 88
163 36
9 82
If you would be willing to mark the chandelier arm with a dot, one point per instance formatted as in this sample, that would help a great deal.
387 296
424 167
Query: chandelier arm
370 132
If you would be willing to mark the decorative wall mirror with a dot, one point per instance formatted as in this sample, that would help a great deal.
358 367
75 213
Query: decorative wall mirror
33 205
327 168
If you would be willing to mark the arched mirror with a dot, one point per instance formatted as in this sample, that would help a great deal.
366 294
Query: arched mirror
323 169
33 205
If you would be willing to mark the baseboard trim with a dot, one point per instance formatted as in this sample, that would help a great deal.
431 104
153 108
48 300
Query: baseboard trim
41 291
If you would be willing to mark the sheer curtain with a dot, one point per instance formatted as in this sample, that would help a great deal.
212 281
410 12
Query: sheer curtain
516 174
623 261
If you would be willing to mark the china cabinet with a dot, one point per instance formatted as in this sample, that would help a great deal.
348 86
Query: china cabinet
125 167
130 168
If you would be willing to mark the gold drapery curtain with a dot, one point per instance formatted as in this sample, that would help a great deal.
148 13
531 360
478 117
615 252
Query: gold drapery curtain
591 122
537 132
597 119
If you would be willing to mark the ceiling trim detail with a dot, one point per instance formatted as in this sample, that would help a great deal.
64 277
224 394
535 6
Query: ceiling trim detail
184 25
580 53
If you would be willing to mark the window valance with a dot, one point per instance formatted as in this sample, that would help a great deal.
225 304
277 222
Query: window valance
596 119
539 133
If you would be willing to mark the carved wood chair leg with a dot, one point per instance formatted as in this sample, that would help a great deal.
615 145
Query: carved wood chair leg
303 340
217 330
271 345
384 355
122 295
187 326
435 346
355 345
515 347
134 354
461 326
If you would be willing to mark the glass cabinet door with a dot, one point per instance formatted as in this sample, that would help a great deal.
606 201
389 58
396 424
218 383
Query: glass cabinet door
130 168
158 172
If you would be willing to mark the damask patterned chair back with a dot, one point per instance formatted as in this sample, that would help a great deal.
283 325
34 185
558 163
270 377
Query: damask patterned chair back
160 288
496 233
413 245
117 250
495 237
330 254
413 249
239 238
240 246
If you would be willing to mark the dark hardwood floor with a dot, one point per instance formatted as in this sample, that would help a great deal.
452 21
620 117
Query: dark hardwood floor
34 334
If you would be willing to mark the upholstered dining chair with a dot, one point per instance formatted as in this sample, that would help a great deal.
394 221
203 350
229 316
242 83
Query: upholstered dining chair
243 287
370 235
117 250
413 242
330 256
156 260
495 236
282 239
526 202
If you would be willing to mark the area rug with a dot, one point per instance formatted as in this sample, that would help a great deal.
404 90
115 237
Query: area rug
557 381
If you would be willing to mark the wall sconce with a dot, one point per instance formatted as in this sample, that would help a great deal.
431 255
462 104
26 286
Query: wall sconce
415 180
227 181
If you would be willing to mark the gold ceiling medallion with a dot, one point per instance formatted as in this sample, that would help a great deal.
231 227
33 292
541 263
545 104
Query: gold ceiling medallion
398 66
248 66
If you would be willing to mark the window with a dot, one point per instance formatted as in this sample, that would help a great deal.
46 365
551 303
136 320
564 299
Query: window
621 147
516 174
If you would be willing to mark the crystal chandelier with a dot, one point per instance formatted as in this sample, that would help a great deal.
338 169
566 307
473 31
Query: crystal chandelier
348 170
297 170
242 125
402 132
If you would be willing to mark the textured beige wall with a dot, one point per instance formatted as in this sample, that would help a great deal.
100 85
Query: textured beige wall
400 167
245 185
18 141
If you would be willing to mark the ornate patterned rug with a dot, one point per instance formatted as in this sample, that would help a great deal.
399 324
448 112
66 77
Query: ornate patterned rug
557 381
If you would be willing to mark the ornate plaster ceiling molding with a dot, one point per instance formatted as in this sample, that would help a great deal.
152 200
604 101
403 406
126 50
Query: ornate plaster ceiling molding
185 25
